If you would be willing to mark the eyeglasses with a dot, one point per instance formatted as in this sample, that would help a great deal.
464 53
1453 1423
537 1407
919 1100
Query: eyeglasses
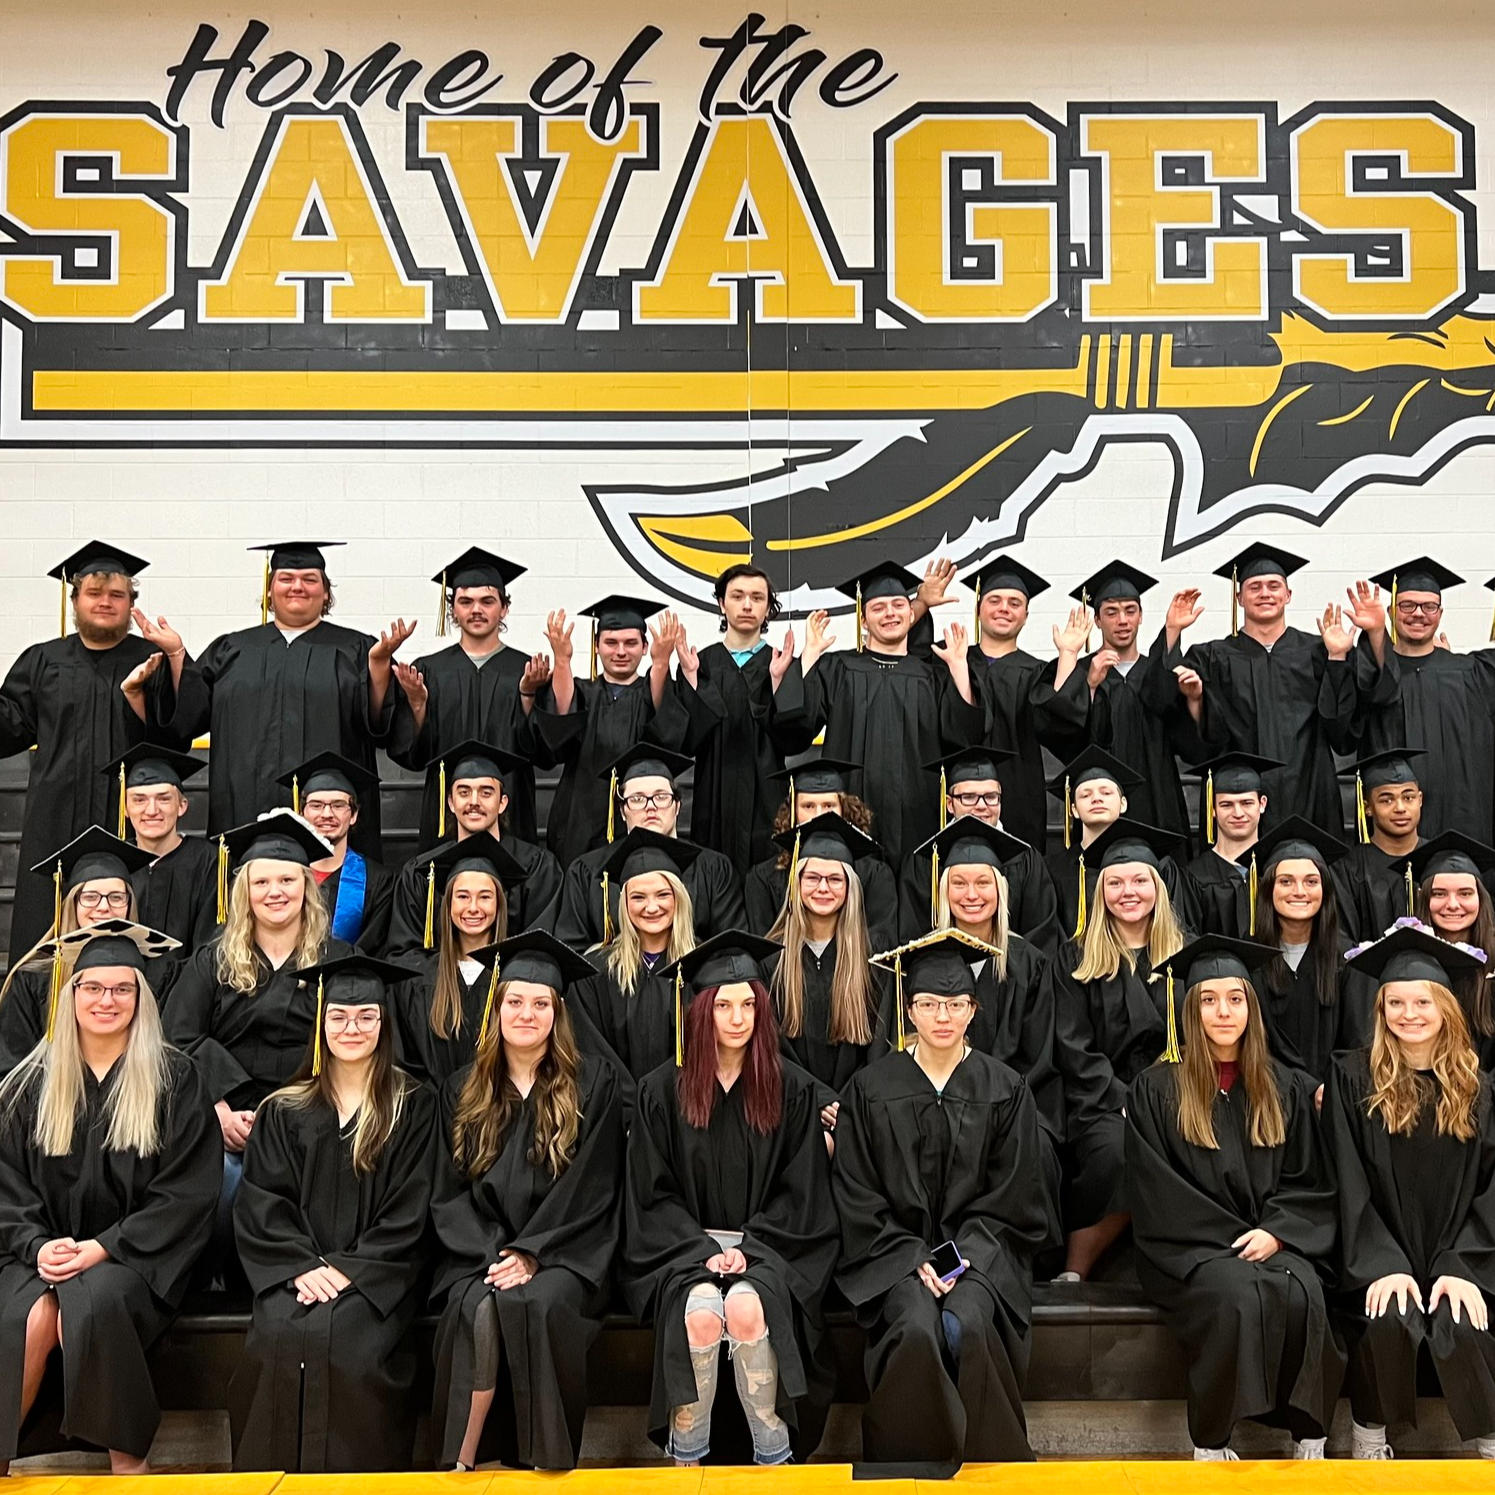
91 991
991 800
928 1006
656 801
93 900
835 881
364 1022
1408 608
326 806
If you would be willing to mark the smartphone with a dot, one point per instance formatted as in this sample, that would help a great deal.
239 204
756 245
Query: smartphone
946 1262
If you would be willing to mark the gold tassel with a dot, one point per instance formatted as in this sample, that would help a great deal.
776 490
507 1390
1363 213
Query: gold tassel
1209 807
62 607
612 804
944 797
316 1051
121 831
607 910
976 621
296 793
1251 891
898 998
1411 890
679 1020
1235 604
441 791
594 649
488 1004
1391 617
793 804
859 617
934 887
441 614
1069 814
1080 912
1171 1054
265 593
430 935
1360 821
54 991
222 878
795 896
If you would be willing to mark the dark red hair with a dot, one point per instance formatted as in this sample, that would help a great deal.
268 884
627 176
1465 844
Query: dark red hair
762 1069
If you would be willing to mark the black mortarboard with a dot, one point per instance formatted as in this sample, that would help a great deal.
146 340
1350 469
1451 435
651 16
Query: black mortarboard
1389 766
280 836
733 955
98 557
968 841
328 771
970 765
477 567
355 980
146 764
1410 953
297 555
618 611
1093 763
1422 575
939 964
1116 581
1005 573
538 956
1260 559
476 760
645 761
94 854
827 835
1237 773
1453 852
885 579
820 775
643 850
1211 957
1127 840
475 854
1294 837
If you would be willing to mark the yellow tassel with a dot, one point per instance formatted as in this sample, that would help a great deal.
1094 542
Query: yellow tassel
679 1020
612 804
594 649
57 899
1360 821
441 791
488 1005
793 802
607 910
121 831
898 998
934 887
1235 604
1080 912
441 604
1411 891
430 935
62 607
795 897
222 878
1069 814
1251 891
944 798
54 992
1391 617
859 617
316 1051
1209 807
976 621
265 593
296 793
1171 1054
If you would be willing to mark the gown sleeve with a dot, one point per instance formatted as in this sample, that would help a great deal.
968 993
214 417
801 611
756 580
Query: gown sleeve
728 910
1091 1088
18 708
1472 1254
191 703
1301 1211
274 1240
23 1021
24 1224
188 1020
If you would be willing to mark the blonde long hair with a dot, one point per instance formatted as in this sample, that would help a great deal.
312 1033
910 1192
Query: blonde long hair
1398 1093
67 924
852 991
1199 1082
1103 952
1001 926
132 1106
625 954
446 988
238 961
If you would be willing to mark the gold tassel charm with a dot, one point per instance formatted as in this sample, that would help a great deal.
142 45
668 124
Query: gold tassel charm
1360 821
679 1020
1251 892
859 617
607 910
1235 604
1069 814
316 1049
612 805
430 934
441 790
1080 912
488 1005
944 799
121 830
898 999
1209 807
296 793
1411 891
265 593
441 606
1171 1054
222 878
1391 616
54 992
62 607
934 887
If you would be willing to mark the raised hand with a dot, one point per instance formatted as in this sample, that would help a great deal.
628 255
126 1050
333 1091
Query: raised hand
1102 662
160 633
558 631
957 641
1366 609
938 575
1441 642
1184 611
1190 685
690 658
1337 636
1075 635
662 636
391 639
134 683
817 640
413 683
536 673
780 659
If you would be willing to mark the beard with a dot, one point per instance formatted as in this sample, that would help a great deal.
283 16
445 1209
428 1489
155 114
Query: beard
95 633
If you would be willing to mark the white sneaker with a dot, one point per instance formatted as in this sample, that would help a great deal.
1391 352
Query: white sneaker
1068 1277
1309 1448
1214 1455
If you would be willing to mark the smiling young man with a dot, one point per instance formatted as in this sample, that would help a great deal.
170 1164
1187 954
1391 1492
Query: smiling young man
1233 785
1371 879
64 697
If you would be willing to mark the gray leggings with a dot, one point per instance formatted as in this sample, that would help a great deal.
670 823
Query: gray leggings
485 1345
755 1369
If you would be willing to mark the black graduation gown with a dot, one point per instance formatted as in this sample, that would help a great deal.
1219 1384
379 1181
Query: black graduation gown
1256 1334
245 1045
766 886
711 880
326 1387
1024 714
1064 872
1032 903
178 894
271 704
1305 1033
532 905
738 742
915 1168
422 1052
599 727
152 1215
64 698
467 702
570 1226
1223 891
639 1029
1443 703
890 714
1292 703
378 904
1371 891
1424 1205
684 1181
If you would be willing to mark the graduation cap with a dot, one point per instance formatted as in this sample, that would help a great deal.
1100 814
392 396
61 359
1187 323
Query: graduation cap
968 766
471 760
1211 957
885 579
1421 575
291 555
1295 837
731 956
1375 771
1004 573
278 836
145 766
355 980
1093 763
618 611
641 761
94 854
475 567
820 775
96 558
966 842
1116 581
940 963
537 956
1257 559
111 942
1232 773
1122 842
825 835
641 851
475 854
1453 852
328 771
1412 952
